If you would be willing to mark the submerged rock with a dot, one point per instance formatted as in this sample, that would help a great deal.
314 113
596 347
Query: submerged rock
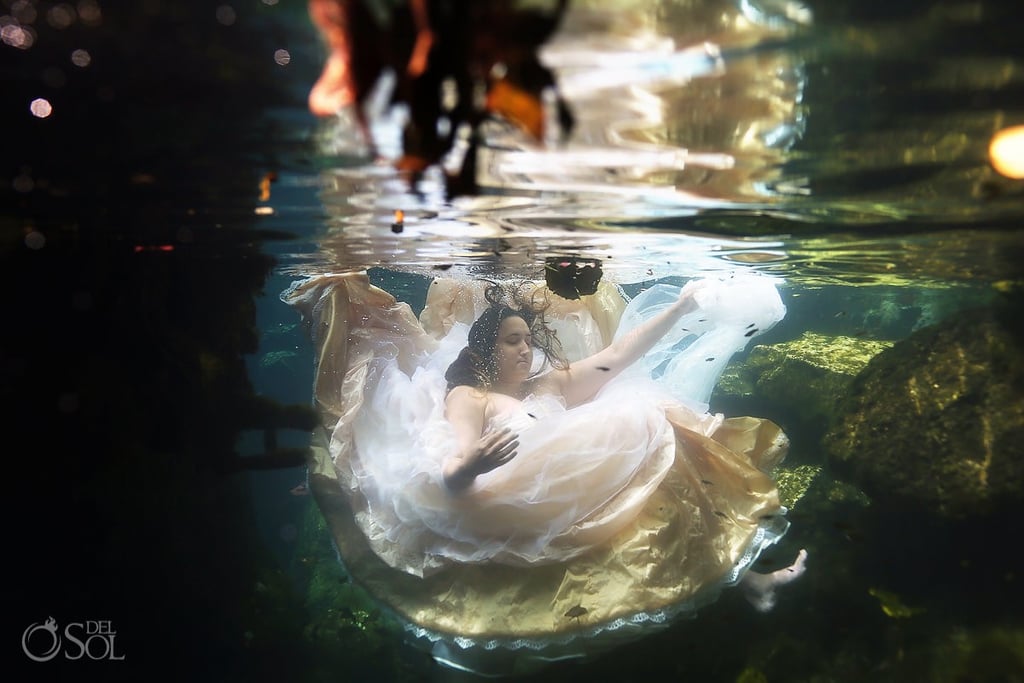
937 421
804 378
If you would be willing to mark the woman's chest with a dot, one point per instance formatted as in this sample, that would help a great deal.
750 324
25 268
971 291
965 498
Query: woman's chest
508 411
500 406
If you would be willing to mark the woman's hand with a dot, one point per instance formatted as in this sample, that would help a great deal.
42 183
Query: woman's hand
687 295
492 450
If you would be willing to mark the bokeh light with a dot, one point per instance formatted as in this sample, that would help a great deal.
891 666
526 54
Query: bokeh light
35 240
17 36
24 11
282 56
226 15
81 58
40 107
1006 152
23 182
61 16
89 12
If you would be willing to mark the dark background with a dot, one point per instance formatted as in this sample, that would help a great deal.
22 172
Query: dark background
128 313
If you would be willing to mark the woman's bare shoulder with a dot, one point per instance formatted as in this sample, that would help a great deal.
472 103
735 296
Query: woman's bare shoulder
466 395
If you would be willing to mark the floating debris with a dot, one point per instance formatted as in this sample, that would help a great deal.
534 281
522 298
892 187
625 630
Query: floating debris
278 358
576 612
268 178
893 605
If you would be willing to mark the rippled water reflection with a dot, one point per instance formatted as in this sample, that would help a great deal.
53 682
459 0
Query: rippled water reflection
706 131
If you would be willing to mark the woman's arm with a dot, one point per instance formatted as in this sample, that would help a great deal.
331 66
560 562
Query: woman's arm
584 378
477 453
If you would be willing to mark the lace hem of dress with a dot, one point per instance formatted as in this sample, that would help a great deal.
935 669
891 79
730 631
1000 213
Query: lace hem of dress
500 656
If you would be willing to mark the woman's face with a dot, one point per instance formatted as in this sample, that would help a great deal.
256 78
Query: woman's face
513 350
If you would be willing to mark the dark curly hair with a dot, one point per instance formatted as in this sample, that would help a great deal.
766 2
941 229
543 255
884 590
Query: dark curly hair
476 365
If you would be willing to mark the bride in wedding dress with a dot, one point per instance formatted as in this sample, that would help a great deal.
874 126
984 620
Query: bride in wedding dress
508 439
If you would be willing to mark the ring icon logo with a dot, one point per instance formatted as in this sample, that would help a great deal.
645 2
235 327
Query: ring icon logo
49 649
91 639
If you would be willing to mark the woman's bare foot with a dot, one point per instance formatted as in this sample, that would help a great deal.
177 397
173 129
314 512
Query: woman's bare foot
759 589
333 90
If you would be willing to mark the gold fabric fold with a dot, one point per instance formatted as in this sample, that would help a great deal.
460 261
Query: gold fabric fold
687 541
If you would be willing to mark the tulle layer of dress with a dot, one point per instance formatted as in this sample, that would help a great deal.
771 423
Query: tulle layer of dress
633 507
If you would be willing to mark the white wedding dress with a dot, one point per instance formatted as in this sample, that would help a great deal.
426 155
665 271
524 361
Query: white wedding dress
635 506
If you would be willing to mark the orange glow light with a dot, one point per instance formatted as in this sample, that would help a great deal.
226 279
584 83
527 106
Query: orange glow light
1006 152
265 182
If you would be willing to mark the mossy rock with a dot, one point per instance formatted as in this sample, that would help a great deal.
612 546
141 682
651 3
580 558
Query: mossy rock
804 376
937 421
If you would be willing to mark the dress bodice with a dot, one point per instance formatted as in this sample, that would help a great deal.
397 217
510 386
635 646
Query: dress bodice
532 409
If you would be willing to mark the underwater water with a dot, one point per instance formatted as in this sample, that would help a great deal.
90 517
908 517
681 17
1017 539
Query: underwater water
159 392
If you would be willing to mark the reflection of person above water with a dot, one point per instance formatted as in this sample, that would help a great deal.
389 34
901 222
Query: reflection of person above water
610 467
466 49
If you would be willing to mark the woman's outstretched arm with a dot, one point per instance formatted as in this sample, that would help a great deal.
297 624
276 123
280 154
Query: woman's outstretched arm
582 379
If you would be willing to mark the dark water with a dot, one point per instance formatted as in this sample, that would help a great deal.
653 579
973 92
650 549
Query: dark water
157 390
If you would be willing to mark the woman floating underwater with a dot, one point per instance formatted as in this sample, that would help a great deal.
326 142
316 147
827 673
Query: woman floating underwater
498 500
